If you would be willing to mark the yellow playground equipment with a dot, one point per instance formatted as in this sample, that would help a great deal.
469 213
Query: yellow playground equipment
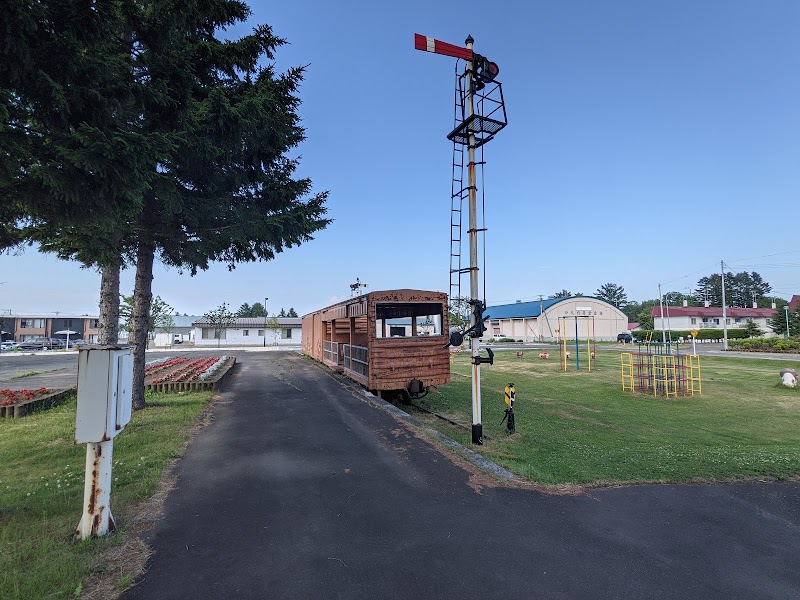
566 347
657 370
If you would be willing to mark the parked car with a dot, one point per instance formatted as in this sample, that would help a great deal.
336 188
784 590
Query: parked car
42 344
7 346
625 338
78 342
33 344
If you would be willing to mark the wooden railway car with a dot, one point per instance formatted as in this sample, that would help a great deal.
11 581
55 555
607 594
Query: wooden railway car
390 340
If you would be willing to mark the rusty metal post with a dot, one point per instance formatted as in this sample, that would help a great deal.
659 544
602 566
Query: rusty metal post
105 381
475 343
97 520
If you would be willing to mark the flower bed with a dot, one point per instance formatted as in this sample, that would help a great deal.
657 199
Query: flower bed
184 374
8 396
16 403
162 365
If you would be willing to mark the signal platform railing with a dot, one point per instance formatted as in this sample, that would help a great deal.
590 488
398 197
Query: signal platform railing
352 358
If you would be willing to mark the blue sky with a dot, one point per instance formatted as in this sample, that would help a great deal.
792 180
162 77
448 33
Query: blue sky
647 141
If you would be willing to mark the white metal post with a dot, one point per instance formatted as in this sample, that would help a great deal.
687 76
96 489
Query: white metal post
475 343
97 520
786 309
724 310
661 303
265 322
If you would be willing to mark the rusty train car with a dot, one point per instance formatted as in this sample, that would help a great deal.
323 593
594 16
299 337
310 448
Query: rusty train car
389 340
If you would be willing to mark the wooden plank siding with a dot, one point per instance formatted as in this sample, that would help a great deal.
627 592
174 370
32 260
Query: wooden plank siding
393 361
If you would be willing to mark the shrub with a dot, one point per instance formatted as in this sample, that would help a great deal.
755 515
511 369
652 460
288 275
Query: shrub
702 334
791 345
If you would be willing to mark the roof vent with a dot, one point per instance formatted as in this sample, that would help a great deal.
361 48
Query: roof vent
755 304
774 306
706 303
685 303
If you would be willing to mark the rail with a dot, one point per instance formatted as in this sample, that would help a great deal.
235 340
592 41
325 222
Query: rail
356 359
331 352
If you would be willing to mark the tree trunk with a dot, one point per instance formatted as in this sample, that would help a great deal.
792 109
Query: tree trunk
109 304
142 301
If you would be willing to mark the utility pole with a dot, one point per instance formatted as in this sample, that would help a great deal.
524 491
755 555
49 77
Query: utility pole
474 341
724 309
539 319
266 314
786 309
473 130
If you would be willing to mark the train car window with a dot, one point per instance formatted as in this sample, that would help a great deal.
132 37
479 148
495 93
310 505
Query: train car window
411 319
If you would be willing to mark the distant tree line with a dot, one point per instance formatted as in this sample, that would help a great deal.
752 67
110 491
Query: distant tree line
741 289
257 310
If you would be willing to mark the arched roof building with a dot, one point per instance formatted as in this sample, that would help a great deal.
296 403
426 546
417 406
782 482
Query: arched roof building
541 320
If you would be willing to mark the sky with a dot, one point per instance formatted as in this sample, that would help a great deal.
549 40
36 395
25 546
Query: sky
647 141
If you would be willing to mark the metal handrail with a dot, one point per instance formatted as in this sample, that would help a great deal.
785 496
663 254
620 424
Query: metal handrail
356 359
330 352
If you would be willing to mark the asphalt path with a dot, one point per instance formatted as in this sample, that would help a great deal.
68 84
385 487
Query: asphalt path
305 487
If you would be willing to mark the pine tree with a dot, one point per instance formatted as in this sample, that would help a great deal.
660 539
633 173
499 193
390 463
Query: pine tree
227 193
613 294
131 131
778 322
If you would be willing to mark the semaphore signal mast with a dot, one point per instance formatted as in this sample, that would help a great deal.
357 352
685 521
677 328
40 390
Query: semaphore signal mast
479 114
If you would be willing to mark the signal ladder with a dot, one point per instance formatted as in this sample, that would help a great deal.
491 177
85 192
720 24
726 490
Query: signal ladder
489 118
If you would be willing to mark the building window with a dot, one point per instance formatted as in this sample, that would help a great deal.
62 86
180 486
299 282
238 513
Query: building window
694 320
31 323
287 334
67 322
246 332
260 333
209 334
94 323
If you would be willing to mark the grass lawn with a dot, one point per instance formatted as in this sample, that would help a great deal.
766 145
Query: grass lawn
41 490
582 428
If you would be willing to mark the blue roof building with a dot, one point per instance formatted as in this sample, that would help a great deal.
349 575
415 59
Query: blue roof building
543 320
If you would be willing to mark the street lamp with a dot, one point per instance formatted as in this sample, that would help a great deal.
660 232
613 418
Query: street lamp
786 308
265 322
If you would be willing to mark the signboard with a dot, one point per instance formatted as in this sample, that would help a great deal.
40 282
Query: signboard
694 333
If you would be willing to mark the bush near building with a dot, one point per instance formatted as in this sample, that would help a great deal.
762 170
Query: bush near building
702 334
790 346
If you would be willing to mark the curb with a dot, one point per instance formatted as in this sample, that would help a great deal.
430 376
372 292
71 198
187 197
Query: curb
469 455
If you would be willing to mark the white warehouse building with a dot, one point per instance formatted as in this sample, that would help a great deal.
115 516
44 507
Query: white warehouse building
581 317
249 331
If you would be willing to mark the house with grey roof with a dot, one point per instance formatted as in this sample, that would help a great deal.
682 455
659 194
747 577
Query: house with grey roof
249 331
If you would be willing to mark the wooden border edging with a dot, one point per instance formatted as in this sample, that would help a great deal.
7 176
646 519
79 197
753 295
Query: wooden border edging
19 409
194 385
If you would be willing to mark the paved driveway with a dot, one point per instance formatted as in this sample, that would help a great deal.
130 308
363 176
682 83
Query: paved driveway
303 487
